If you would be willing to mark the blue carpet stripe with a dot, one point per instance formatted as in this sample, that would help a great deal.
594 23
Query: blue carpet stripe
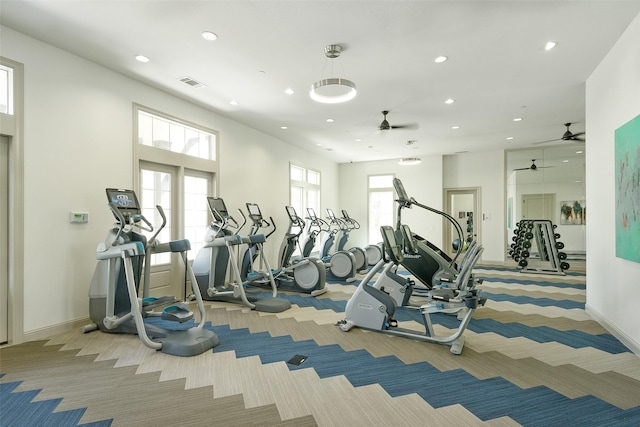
542 302
487 399
18 409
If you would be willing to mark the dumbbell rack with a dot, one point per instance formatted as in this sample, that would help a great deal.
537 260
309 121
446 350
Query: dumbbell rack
545 257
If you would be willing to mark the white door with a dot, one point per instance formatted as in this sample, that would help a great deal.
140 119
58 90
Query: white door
4 238
538 206
183 198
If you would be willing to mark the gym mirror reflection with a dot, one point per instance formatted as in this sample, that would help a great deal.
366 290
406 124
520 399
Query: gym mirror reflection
548 183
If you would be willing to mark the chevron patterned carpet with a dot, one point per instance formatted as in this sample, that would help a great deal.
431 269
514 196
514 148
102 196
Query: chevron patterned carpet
532 357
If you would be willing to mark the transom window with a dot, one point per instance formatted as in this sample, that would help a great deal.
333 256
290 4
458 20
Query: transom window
166 134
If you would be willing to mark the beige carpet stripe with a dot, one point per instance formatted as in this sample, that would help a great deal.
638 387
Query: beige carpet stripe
515 276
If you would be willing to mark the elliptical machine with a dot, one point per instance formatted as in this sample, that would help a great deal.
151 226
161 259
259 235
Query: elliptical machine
362 263
374 252
340 265
306 275
114 305
219 258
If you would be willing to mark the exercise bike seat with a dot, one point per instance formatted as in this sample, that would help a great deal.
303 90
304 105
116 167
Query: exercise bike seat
176 313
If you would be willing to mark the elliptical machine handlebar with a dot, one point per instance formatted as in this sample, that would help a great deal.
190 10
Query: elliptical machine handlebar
152 239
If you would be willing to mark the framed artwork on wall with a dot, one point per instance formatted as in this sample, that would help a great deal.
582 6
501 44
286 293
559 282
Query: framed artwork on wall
573 212
627 188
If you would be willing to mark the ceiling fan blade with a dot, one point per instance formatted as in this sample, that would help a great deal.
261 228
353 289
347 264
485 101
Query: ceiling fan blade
522 169
545 142
408 126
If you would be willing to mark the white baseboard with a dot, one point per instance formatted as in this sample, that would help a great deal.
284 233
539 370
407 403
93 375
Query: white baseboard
49 331
621 336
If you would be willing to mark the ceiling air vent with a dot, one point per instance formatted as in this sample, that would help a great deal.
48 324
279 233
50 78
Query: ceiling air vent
191 82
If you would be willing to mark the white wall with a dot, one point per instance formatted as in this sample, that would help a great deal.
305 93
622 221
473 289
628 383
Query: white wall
613 98
485 170
423 182
78 139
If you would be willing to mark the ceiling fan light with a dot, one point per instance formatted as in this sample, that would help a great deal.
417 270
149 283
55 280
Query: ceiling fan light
333 91
410 161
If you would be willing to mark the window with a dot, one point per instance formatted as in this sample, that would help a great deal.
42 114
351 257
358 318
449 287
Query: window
196 212
381 205
304 193
305 189
6 90
166 134
177 168
155 189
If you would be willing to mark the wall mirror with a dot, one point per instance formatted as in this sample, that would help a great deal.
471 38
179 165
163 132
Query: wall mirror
548 183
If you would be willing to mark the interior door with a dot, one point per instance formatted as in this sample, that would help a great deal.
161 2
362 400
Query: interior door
183 197
157 184
538 206
4 238
461 204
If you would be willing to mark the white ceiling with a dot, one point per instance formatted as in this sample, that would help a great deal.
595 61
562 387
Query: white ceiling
497 68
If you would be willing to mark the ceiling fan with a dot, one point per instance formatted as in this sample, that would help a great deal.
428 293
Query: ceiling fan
567 136
386 126
533 167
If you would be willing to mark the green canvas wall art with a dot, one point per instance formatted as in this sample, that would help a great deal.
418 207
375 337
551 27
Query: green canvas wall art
627 157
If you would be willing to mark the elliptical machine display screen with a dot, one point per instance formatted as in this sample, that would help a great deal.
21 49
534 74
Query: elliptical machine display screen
312 214
125 200
293 216
218 208
331 214
254 211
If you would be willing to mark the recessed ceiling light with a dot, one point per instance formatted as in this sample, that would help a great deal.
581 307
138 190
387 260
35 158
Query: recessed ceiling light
455 127
142 58
318 145
565 161
330 120
450 101
358 140
517 119
284 127
440 59
550 45
579 152
233 102
209 36
289 91
509 138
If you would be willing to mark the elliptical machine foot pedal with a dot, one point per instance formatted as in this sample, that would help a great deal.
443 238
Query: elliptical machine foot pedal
176 313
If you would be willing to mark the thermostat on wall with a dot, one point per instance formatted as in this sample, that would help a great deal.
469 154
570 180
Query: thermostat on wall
79 217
